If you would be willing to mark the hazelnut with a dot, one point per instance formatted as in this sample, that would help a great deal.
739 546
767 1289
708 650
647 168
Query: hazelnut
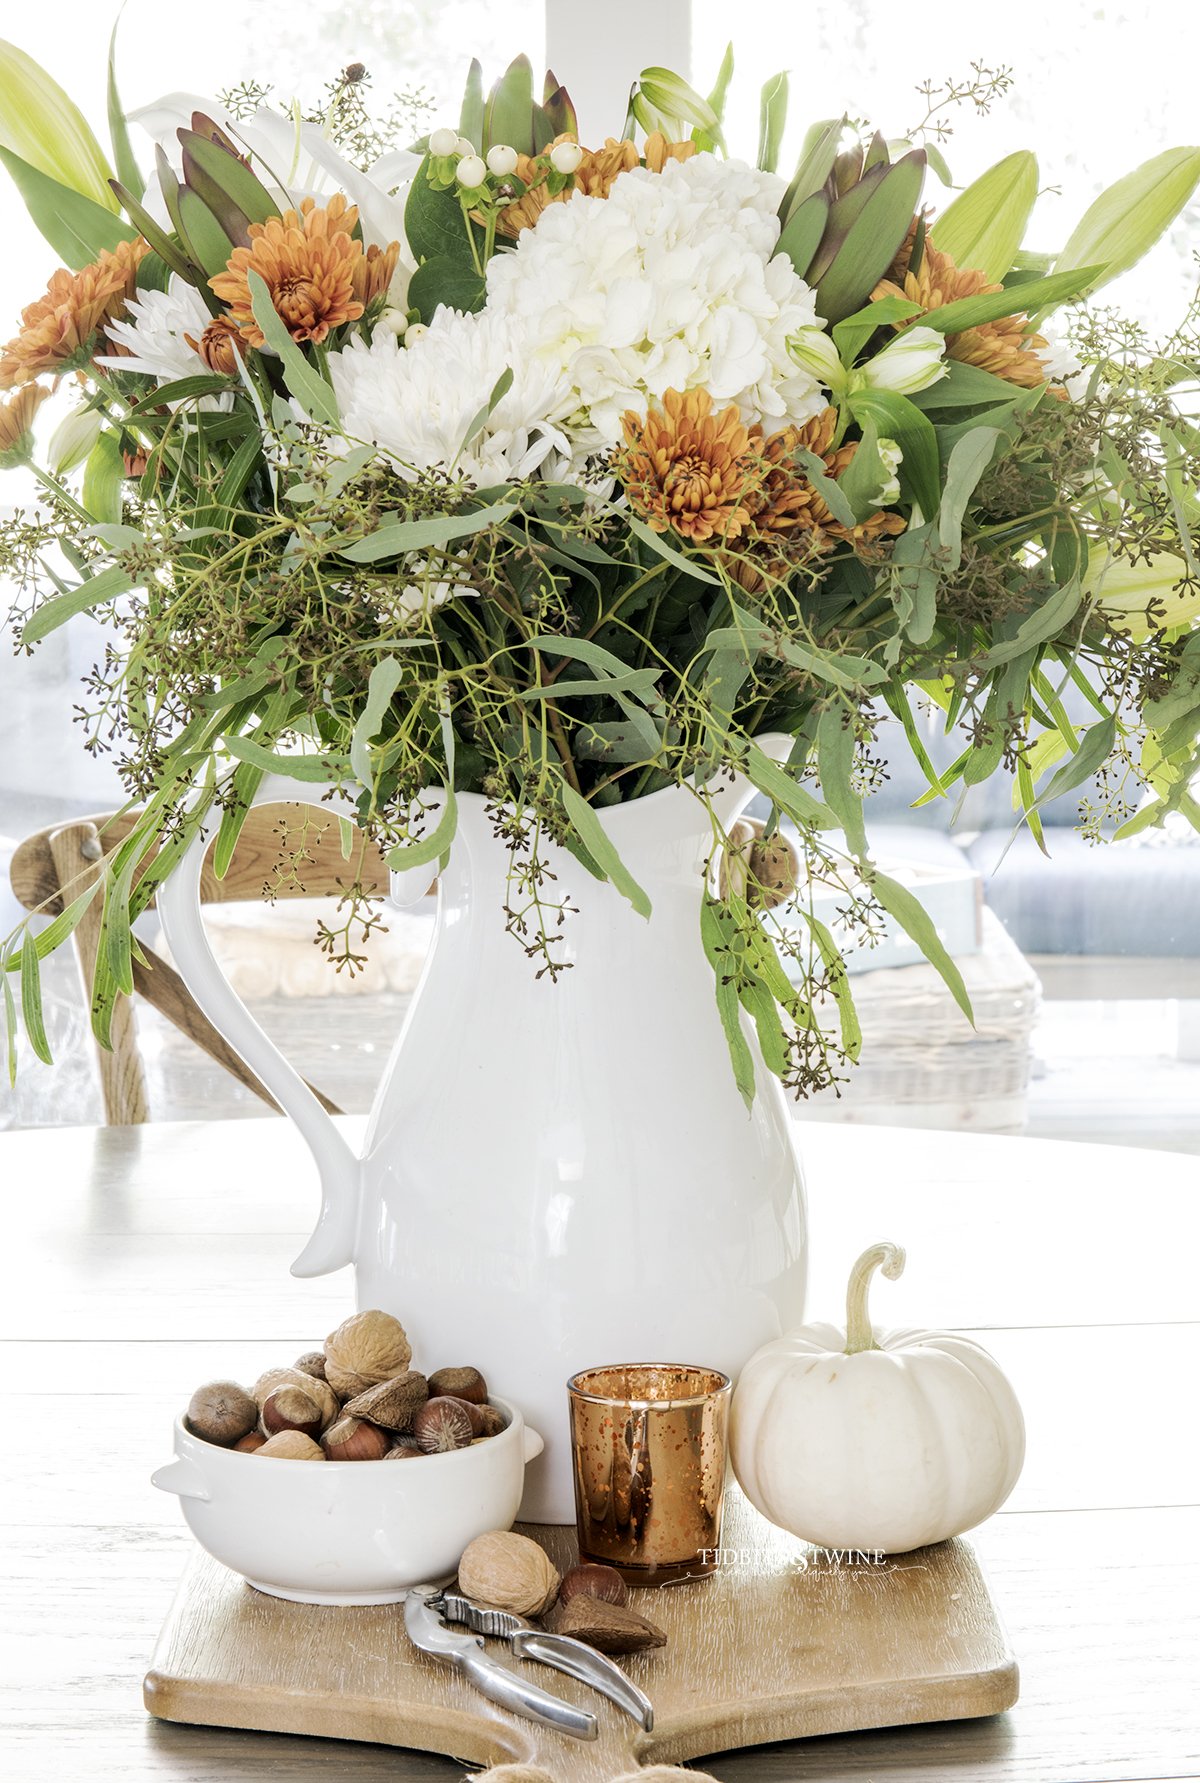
487 1421
443 1424
252 1441
312 1362
291 1408
350 1439
291 1445
505 1571
392 1403
405 1448
368 1348
459 1383
319 1390
221 1412
590 1579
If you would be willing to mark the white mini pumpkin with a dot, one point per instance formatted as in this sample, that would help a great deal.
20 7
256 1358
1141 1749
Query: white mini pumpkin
881 1441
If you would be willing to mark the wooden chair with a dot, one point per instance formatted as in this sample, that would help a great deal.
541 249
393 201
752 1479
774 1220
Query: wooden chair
66 857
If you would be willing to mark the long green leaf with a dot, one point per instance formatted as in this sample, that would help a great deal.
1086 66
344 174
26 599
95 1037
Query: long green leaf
659 545
509 115
899 419
104 480
1126 220
314 769
835 765
805 811
984 226
311 391
31 999
42 127
817 157
716 951
470 117
917 924
76 227
10 1028
801 236
424 535
384 680
873 238
234 194
772 116
839 983
599 844
109 585
1039 294
128 171
969 459
751 636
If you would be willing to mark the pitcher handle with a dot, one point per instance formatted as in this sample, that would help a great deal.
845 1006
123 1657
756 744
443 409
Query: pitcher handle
332 1244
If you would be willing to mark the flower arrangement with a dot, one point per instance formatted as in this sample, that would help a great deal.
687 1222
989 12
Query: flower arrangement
560 474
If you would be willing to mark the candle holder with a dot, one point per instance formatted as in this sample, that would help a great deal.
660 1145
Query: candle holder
648 1452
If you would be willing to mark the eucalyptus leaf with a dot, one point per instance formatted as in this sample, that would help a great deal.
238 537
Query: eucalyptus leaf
31 999
108 585
384 680
918 925
423 535
306 384
599 844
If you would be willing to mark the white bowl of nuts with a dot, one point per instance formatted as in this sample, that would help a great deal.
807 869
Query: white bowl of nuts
357 1528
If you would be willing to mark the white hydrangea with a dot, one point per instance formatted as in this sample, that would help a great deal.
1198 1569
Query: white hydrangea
153 333
668 283
418 402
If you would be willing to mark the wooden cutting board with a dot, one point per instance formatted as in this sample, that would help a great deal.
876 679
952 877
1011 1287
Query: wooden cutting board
783 1642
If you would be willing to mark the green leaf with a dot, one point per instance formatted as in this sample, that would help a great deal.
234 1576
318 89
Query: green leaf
873 238
815 165
104 480
803 230
675 102
915 577
424 535
772 117
479 420
657 544
915 920
839 983
384 680
42 128
31 999
208 241
128 171
853 333
470 117
107 586
1038 627
716 101
1094 750
969 459
754 637
433 221
984 226
897 418
716 951
233 193
1041 294
509 115
10 1028
835 765
1129 217
825 486
76 227
964 387
596 840
311 391
433 846
805 811
315 769
172 253
444 280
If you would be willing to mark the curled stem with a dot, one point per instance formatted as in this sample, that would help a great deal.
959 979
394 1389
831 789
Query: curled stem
860 1334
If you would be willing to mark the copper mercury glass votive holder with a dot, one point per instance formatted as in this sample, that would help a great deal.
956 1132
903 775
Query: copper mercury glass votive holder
648 1451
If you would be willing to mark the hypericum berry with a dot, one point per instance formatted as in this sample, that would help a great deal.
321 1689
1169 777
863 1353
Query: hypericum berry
415 331
502 160
443 142
565 157
470 172
464 146
393 322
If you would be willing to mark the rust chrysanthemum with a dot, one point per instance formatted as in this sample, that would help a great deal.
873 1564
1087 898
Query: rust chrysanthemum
16 422
1006 348
594 177
374 273
58 332
219 346
790 520
688 471
311 263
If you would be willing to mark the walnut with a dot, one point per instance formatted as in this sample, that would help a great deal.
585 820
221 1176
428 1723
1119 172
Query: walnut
392 1403
366 1349
312 1362
505 1571
291 1445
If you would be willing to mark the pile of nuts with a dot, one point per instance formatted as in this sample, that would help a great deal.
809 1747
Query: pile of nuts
355 1400
506 1571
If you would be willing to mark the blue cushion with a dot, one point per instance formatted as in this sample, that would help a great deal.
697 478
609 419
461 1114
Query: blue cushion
1139 898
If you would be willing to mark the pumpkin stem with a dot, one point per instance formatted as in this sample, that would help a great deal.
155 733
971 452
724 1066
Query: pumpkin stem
860 1334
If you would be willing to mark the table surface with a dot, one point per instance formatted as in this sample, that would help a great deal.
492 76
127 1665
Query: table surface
144 1260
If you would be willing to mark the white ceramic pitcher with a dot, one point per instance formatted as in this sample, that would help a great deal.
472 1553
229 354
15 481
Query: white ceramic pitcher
556 1175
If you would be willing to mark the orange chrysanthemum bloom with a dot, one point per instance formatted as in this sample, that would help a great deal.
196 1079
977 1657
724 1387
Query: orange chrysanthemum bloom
375 272
16 421
595 176
1005 348
58 331
312 265
689 471
790 521
218 346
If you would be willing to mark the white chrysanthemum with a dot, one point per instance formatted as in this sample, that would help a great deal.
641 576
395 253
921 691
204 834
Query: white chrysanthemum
418 402
1060 362
668 283
153 333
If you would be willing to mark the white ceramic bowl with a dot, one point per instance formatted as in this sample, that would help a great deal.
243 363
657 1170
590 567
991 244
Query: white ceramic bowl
347 1532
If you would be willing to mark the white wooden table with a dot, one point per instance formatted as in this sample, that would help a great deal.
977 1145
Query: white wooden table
141 1261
